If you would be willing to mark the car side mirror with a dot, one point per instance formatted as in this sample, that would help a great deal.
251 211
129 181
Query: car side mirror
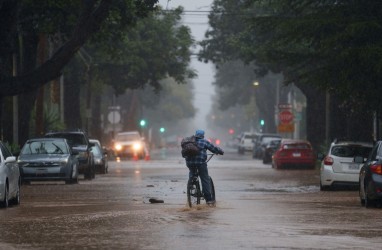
75 152
359 159
10 159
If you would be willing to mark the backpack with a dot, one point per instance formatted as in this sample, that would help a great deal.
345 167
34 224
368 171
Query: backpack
189 147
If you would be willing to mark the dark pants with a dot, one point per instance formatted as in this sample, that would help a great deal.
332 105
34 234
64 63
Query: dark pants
205 178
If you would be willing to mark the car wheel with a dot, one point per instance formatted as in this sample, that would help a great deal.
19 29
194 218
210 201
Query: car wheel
74 177
324 188
368 202
361 193
16 200
88 174
4 202
362 200
93 172
103 169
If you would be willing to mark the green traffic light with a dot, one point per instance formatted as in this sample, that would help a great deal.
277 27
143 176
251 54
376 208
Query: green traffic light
262 122
162 130
142 123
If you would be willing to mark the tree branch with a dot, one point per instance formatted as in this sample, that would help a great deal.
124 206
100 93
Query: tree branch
88 23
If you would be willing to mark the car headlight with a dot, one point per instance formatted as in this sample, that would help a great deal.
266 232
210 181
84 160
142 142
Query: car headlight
118 147
137 146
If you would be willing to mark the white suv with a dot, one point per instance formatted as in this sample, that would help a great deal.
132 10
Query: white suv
338 167
246 142
130 144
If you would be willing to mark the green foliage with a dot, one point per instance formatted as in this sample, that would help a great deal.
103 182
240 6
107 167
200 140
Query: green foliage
172 104
51 120
156 48
13 147
335 45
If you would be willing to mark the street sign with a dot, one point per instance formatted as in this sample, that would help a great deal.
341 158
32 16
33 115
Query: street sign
286 117
114 117
285 128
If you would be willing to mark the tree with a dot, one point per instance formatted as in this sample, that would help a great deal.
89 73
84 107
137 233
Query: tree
318 45
22 24
156 48
89 21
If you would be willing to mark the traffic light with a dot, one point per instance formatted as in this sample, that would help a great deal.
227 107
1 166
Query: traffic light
262 122
162 129
231 131
142 123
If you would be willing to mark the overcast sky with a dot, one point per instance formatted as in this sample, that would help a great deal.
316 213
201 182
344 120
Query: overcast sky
198 23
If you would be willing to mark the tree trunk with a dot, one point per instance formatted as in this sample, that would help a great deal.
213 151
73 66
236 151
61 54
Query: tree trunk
89 22
72 93
315 115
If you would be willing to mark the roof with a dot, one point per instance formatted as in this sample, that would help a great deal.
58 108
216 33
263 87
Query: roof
289 141
365 144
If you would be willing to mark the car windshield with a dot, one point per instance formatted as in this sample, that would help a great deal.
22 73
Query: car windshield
267 140
249 136
44 147
127 137
350 151
96 151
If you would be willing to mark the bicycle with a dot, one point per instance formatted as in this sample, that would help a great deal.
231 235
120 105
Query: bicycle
194 192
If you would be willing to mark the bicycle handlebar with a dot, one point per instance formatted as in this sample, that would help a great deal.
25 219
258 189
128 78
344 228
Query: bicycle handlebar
211 155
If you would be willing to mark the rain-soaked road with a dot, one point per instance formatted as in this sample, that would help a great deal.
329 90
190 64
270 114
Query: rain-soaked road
257 208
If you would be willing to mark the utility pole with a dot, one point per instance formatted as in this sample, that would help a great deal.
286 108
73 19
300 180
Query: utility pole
15 107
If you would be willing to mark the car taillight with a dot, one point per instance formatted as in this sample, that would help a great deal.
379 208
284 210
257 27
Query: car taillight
376 169
328 160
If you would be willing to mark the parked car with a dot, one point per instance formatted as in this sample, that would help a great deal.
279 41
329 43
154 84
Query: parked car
10 180
246 142
260 142
130 144
270 149
79 142
370 177
294 153
100 157
48 159
338 167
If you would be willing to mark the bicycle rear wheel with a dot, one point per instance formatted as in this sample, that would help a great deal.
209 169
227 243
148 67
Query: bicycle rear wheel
212 190
193 192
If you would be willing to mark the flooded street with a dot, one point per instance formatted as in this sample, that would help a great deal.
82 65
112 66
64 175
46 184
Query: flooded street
257 208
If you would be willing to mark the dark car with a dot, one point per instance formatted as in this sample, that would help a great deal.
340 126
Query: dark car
270 149
370 177
100 157
48 159
80 143
260 142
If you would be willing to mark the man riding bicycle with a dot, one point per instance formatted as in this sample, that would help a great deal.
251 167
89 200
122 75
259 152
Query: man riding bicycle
199 161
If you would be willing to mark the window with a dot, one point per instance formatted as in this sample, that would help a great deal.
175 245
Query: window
351 151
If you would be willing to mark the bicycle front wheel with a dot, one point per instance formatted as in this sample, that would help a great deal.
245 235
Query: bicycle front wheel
193 192
212 190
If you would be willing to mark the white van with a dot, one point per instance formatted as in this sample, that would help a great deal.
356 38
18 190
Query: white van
246 142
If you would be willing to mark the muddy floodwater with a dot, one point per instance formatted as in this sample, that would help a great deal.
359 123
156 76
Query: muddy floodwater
257 208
